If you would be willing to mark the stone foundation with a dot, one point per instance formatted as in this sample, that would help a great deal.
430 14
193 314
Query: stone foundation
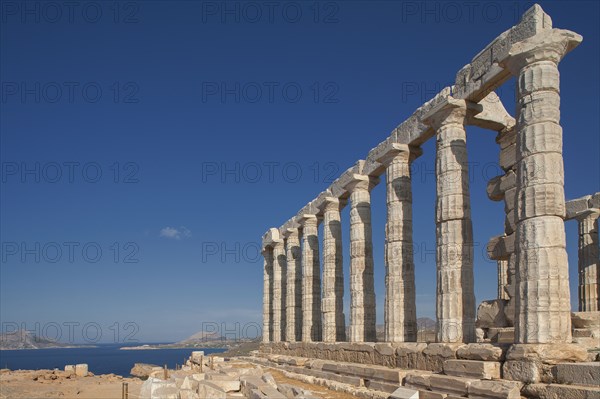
528 363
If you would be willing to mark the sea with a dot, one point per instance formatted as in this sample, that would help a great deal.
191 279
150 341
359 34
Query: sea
102 359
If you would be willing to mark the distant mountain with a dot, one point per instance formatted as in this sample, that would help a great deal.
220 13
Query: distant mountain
203 336
425 323
23 339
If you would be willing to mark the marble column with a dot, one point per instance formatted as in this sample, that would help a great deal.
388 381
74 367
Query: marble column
279 291
589 278
400 312
311 279
362 282
293 325
268 295
543 308
503 279
455 307
334 324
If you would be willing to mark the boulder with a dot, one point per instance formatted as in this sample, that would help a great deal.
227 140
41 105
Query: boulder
143 370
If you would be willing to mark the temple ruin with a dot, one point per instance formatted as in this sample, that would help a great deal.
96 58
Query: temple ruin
529 328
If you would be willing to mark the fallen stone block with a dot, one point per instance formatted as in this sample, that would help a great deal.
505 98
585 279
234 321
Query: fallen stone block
207 389
227 385
380 386
81 370
495 390
521 370
188 394
404 393
272 393
69 368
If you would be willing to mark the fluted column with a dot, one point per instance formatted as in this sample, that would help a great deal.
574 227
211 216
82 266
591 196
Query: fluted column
589 278
334 324
267 295
455 308
400 312
293 325
362 282
543 301
503 279
311 280
279 291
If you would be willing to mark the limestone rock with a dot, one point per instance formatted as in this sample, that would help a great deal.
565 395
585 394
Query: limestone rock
585 319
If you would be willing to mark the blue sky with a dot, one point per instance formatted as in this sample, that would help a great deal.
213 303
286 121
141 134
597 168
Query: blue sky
147 146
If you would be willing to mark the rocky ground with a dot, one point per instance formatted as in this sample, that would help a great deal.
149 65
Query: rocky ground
33 384
200 378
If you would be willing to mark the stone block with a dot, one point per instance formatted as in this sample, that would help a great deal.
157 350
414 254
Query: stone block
585 319
578 373
432 395
491 314
473 368
558 391
69 368
521 370
495 390
450 384
417 380
208 389
547 353
380 386
81 370
486 352
227 385
404 393
575 206
188 394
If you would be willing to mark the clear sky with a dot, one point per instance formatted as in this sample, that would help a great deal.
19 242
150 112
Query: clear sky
146 147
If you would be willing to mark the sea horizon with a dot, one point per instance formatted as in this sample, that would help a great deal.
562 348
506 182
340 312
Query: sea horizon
101 359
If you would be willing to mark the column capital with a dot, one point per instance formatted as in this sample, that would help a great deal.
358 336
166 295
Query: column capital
361 182
333 204
290 232
591 213
392 151
307 218
550 46
449 110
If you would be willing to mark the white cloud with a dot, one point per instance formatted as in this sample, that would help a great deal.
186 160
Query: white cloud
176 233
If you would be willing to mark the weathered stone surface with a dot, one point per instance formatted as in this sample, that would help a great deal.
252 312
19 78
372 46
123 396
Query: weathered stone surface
586 319
491 314
576 206
431 395
473 368
495 390
486 352
450 384
527 371
556 391
547 353
417 380
578 373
